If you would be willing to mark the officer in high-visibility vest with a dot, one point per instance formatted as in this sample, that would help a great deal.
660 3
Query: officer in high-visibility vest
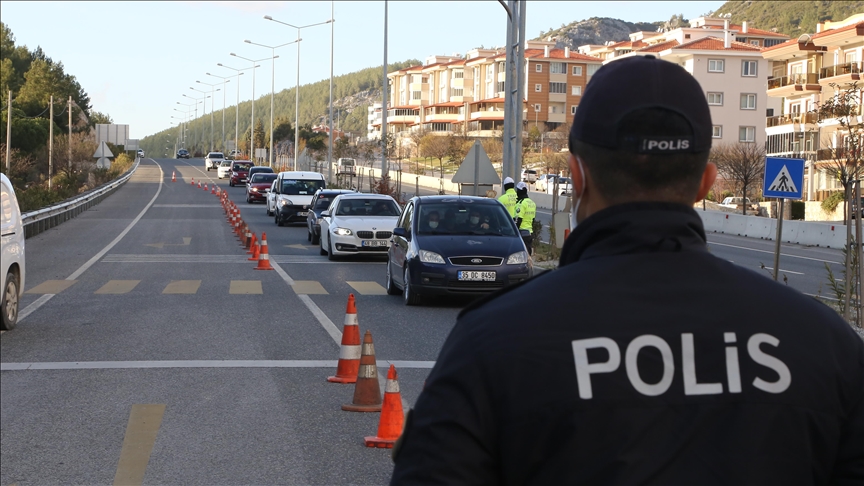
508 199
525 211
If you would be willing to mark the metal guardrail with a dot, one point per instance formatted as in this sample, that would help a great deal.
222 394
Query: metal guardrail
40 220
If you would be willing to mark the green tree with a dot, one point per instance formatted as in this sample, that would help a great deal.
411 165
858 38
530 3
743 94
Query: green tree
259 134
282 130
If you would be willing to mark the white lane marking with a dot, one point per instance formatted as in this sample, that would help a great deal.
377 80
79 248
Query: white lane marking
316 311
113 365
784 271
77 273
771 252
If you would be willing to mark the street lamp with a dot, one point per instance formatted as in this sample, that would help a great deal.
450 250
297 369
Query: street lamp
212 91
237 105
252 127
297 89
197 100
272 88
205 112
225 80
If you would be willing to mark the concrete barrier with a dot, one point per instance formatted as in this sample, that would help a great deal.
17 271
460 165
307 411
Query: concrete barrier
799 232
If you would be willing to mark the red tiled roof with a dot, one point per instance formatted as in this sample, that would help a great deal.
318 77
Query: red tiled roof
559 54
661 46
404 107
841 29
453 63
716 44
489 118
490 100
448 103
750 30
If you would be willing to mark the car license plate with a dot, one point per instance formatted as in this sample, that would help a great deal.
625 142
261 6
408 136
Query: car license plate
374 243
477 276
302 213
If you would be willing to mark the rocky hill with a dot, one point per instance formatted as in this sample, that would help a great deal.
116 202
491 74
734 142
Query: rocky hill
596 30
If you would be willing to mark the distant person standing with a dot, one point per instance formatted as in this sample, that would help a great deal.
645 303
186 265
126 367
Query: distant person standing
508 199
525 211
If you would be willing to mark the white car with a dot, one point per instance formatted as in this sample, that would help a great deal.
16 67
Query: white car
213 160
140 153
11 254
224 169
358 223
547 184
529 175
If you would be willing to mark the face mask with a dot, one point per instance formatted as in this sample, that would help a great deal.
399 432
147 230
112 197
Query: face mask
433 224
575 208
475 219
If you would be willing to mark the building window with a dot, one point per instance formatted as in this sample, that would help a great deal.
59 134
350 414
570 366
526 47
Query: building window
773 42
415 95
458 74
558 88
538 68
500 86
557 68
748 68
573 109
746 134
577 70
686 36
455 91
717 131
592 68
537 107
715 65
748 101
538 88
576 90
754 42
715 99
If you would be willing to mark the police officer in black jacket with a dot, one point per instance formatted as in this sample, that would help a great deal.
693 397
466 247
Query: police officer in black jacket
662 364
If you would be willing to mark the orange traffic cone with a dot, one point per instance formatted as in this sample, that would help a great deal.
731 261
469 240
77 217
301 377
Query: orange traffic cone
264 260
199 184
173 176
367 392
193 181
256 253
392 417
349 352
205 187
247 239
213 190
252 241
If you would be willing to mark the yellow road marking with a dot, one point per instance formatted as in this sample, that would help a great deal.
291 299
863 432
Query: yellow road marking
51 287
245 287
308 287
118 287
182 287
144 422
368 288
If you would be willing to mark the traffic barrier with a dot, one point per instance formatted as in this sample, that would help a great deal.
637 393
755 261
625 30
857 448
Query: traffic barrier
255 252
173 176
367 392
264 257
349 351
252 240
392 418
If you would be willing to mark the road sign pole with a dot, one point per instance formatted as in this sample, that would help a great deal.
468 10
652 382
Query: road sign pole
778 237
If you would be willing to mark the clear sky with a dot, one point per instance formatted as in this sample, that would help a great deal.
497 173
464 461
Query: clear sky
136 60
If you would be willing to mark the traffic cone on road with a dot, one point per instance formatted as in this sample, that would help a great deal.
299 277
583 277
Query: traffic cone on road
367 392
205 187
349 352
392 417
247 241
213 190
193 181
264 259
252 241
255 252
173 176
199 184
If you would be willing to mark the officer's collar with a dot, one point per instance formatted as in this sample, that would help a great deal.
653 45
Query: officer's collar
643 227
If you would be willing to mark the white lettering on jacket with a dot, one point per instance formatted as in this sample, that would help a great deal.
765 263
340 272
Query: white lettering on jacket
584 369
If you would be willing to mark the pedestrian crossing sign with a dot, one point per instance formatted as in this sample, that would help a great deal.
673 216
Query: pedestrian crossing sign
783 177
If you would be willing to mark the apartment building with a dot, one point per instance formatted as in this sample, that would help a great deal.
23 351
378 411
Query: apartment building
803 71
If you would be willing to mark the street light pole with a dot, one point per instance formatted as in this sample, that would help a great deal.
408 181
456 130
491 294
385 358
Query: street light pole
205 111
252 127
225 80
384 168
330 110
297 87
272 88
237 106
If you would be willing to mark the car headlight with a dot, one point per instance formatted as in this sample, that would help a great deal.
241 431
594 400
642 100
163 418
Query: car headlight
254 189
285 202
431 257
318 220
518 258
341 231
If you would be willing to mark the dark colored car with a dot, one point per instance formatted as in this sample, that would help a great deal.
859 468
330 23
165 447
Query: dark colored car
320 202
239 172
256 169
475 248
182 154
258 187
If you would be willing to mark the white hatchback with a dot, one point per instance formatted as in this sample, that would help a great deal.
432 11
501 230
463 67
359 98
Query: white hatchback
358 223
224 169
11 254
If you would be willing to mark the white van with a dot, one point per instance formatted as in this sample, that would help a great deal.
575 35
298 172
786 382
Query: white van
291 194
11 253
346 166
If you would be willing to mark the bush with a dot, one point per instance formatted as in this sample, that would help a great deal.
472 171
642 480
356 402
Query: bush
798 209
830 205
726 193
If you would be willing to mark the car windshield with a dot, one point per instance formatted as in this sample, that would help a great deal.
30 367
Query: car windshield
367 207
291 187
457 218
225 163
323 202
243 167
564 180
259 178
216 155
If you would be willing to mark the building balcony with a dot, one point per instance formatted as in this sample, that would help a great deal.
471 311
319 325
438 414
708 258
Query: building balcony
442 117
838 153
841 73
488 115
798 83
776 121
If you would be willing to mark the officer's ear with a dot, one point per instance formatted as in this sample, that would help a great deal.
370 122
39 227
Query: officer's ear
708 177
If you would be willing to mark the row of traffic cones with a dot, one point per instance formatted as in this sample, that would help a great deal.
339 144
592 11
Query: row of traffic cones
357 365
258 251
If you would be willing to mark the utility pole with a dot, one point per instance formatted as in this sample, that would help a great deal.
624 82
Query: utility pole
9 133
513 86
330 148
384 168
50 142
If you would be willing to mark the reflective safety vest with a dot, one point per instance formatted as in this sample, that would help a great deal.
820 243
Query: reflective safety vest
527 210
508 199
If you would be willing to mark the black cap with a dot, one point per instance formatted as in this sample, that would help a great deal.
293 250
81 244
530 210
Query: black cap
622 87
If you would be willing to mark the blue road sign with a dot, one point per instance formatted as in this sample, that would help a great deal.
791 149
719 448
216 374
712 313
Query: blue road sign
783 178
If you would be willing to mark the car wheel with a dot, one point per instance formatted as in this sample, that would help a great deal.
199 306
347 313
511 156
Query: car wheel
315 238
248 200
330 255
278 221
321 250
408 294
392 289
10 302
269 213
308 233
230 183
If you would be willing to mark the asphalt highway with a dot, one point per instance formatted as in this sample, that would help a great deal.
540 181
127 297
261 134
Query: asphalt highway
150 348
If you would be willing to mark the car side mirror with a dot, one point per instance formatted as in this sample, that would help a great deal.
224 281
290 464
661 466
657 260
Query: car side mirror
400 231
325 214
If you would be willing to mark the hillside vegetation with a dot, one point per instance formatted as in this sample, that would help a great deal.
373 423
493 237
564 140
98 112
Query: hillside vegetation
792 18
